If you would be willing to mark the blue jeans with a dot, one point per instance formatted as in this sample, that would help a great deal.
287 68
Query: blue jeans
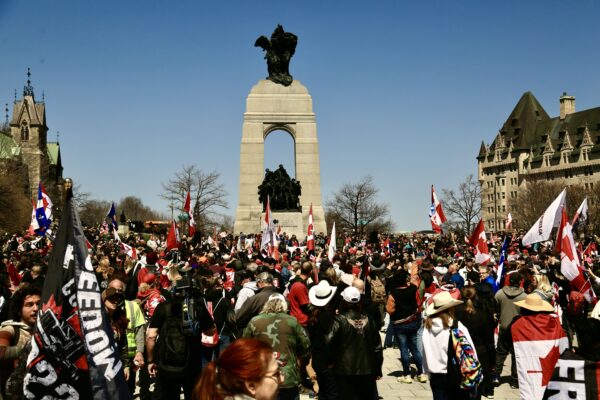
406 336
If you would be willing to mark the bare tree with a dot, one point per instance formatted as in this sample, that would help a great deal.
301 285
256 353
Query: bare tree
355 208
463 206
135 210
93 212
207 194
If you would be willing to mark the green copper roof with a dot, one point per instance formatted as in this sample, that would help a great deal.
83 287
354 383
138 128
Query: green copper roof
53 153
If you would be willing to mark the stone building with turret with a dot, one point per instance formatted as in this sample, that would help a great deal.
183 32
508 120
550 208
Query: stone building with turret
25 150
531 145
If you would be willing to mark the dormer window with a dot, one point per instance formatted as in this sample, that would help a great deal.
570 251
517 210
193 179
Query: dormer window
547 158
24 131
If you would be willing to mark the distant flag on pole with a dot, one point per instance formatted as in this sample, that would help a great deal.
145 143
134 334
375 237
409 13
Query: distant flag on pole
436 213
112 214
569 261
173 240
73 351
500 271
310 235
43 211
540 231
332 244
188 209
479 241
581 215
508 225
34 224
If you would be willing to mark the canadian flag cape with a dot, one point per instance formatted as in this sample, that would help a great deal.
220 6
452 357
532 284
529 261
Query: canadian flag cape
539 340
436 214
574 378
540 231
479 241
569 261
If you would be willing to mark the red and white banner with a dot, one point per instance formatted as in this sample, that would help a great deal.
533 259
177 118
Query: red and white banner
436 213
479 241
310 235
188 209
269 241
539 340
569 261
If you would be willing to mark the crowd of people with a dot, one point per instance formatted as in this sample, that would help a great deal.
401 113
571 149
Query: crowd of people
221 318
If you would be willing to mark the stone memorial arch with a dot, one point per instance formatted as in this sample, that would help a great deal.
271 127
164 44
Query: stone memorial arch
270 107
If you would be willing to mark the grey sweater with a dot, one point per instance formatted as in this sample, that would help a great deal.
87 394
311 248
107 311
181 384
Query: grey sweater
507 310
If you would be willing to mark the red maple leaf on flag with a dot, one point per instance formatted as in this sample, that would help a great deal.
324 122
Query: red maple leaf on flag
51 305
548 363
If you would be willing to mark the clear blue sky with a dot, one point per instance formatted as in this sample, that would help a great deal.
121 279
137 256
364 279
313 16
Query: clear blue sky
403 91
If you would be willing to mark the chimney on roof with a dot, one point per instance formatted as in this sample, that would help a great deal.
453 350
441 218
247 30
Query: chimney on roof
567 105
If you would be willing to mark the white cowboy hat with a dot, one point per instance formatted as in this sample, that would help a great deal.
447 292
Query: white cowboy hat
534 302
319 295
440 302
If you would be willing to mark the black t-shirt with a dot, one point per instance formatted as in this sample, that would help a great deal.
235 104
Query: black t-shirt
405 301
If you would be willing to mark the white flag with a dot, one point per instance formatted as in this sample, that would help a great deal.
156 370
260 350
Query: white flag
540 231
332 244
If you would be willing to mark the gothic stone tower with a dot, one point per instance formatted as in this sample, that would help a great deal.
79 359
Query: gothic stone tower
29 131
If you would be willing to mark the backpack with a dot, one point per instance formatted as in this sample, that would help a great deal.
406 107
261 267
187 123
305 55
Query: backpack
463 366
576 304
173 345
378 294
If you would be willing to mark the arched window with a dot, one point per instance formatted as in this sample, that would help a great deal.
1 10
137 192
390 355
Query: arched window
24 131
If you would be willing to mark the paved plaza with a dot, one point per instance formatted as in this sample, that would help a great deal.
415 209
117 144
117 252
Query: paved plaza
389 388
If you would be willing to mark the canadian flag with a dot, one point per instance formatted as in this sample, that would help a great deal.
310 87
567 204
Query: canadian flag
188 209
539 341
479 241
508 225
310 235
436 214
173 240
129 250
34 223
569 261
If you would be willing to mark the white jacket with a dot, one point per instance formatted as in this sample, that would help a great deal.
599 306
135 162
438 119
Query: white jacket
248 290
435 346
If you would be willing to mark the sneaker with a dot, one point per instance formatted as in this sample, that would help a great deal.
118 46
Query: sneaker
405 379
489 396
421 378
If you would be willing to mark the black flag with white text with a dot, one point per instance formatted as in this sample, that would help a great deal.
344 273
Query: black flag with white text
73 353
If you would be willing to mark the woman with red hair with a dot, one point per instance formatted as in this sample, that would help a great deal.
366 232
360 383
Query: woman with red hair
246 369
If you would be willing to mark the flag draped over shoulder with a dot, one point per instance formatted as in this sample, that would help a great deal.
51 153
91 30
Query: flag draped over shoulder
188 209
569 260
540 231
310 235
73 352
479 241
436 213
574 378
538 341
332 244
